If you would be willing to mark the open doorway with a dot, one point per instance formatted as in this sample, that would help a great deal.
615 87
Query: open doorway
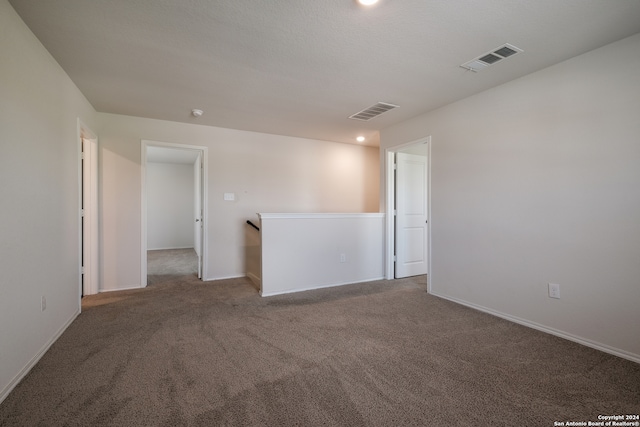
407 171
173 211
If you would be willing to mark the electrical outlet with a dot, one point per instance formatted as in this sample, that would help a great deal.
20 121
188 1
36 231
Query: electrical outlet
343 257
554 290
43 303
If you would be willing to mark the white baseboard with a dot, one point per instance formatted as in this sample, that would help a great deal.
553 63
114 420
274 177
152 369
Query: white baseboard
130 288
25 370
169 248
330 285
210 279
580 340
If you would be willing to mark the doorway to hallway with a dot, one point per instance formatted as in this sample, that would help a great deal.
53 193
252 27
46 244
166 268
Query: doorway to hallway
173 210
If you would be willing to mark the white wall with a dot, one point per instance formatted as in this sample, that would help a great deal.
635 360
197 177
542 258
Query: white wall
170 204
39 193
267 173
538 181
310 251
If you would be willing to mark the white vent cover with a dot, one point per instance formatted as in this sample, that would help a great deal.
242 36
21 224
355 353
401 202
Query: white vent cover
373 111
491 57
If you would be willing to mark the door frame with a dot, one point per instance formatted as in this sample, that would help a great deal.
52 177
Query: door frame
88 237
143 235
390 183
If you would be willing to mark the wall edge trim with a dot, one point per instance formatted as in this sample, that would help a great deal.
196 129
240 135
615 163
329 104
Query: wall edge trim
254 278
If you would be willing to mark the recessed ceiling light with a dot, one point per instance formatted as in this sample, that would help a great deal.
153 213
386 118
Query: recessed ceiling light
360 139
367 2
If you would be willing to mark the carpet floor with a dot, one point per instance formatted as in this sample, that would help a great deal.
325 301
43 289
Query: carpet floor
187 353
168 264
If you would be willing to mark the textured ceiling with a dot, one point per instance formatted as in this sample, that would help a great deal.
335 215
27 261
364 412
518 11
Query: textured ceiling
301 67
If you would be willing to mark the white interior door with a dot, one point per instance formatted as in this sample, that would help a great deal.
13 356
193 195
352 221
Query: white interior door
411 215
89 216
198 226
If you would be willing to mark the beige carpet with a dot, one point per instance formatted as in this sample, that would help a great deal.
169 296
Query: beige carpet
168 264
185 352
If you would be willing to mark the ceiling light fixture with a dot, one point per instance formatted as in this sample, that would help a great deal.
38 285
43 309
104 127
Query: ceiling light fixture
360 139
367 2
196 112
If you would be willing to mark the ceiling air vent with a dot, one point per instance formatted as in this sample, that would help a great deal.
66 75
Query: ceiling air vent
491 57
373 111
